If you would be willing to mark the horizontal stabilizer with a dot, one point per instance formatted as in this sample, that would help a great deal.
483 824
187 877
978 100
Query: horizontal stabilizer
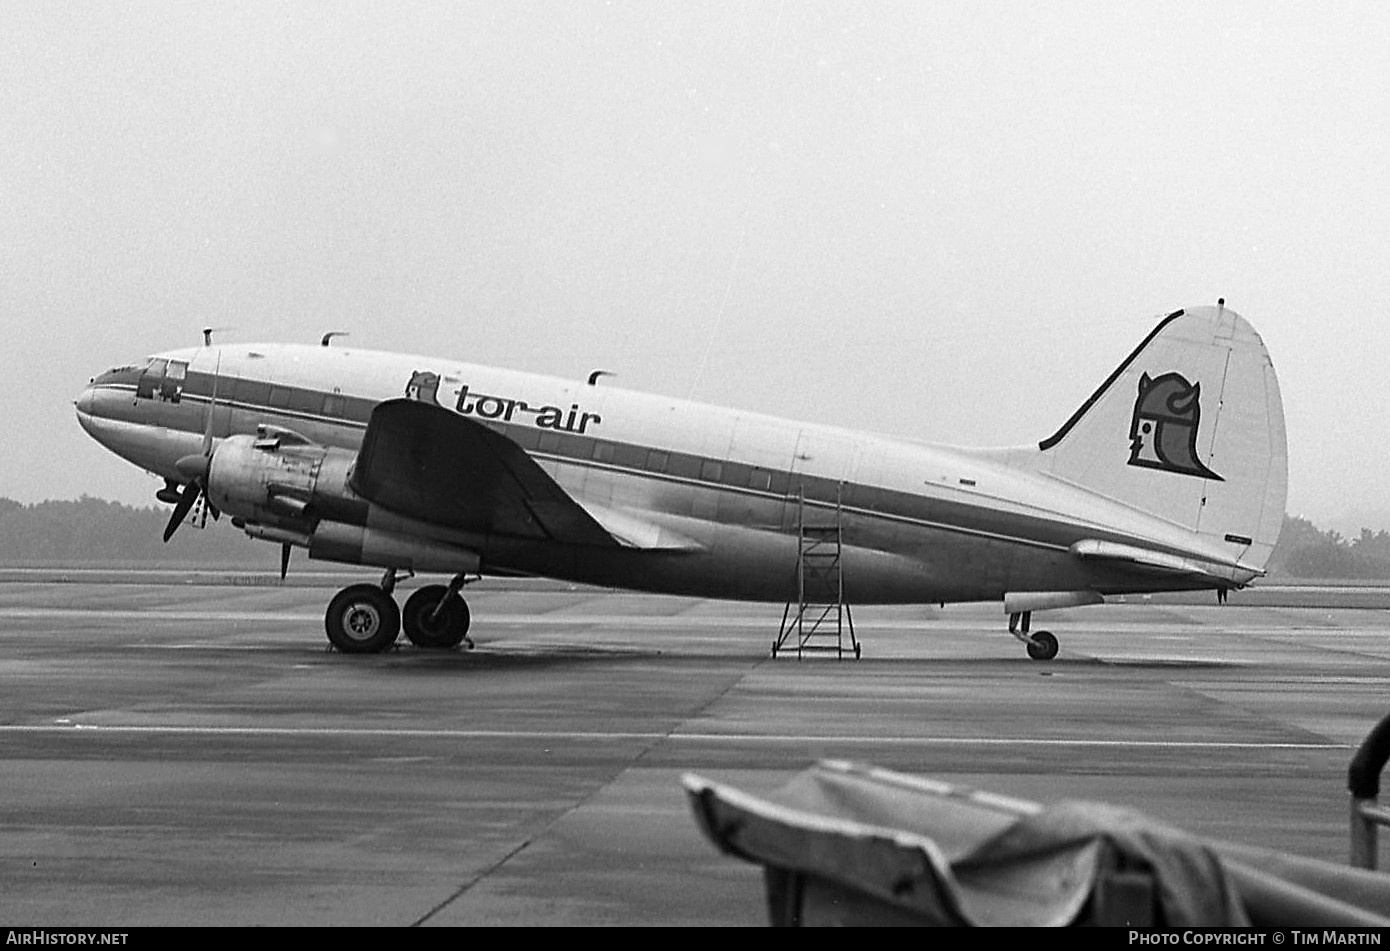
1146 559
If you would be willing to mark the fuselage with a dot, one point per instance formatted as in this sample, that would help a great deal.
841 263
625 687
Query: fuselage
713 501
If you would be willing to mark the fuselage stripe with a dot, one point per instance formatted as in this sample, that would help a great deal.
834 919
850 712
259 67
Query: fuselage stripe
820 492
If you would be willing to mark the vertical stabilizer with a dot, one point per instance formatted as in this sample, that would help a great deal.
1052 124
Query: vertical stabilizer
1189 428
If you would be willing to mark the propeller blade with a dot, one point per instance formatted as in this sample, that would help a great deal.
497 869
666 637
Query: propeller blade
212 403
284 561
186 500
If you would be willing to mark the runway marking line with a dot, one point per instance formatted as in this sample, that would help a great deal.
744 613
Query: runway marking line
89 729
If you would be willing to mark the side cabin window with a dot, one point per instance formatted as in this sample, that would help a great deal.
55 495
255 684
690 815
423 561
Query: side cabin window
163 379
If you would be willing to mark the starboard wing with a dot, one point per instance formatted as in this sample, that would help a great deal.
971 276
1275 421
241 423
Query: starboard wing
429 463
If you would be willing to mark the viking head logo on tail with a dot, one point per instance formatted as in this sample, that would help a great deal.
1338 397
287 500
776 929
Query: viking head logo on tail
1163 434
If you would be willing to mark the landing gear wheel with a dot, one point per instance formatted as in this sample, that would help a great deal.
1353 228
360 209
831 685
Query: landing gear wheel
1043 645
447 630
362 619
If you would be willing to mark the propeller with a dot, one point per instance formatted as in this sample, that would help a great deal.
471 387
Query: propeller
195 467
284 560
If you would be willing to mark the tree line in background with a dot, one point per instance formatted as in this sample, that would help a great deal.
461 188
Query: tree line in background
93 530
1305 551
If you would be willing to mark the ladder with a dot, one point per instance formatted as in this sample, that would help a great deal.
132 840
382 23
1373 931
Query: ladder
822 621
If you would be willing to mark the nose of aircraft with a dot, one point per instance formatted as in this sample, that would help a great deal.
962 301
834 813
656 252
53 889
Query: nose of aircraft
84 401
87 416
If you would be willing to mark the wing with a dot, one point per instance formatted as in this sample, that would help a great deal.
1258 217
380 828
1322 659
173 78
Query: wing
429 463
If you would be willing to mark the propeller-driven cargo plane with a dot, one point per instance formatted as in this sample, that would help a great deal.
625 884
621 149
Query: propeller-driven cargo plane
1171 476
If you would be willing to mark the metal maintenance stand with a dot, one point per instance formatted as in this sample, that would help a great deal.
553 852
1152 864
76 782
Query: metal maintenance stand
822 621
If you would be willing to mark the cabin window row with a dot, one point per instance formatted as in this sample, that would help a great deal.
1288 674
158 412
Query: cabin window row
288 398
620 455
548 442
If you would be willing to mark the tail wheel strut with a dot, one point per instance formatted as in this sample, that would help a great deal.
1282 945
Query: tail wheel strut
1041 645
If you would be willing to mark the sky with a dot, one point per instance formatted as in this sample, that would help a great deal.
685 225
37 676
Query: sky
947 221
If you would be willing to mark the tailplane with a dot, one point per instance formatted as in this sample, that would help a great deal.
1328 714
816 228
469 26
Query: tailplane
1189 428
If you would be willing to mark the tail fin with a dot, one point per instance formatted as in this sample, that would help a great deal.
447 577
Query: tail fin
1189 428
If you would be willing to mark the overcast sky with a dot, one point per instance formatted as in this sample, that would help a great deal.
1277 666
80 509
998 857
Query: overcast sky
943 220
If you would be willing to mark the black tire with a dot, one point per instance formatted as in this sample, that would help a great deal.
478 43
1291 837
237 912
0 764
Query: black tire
448 631
362 619
1043 645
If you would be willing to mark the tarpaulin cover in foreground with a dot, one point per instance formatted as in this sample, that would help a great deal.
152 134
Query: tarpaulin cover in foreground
849 844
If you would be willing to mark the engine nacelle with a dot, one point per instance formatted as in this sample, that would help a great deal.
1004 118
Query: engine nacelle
283 480
281 488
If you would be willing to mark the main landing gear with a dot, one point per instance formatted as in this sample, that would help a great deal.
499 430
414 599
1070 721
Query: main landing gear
364 619
1041 644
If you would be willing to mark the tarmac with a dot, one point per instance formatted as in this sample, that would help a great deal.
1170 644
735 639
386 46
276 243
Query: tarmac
181 748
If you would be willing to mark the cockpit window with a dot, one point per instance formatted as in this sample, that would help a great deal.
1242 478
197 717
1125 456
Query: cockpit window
174 376
151 379
162 378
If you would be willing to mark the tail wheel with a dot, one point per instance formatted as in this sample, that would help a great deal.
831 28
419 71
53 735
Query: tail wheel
1043 645
362 619
448 629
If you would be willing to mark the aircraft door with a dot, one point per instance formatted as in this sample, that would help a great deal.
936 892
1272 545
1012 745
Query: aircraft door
796 483
821 466
763 451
